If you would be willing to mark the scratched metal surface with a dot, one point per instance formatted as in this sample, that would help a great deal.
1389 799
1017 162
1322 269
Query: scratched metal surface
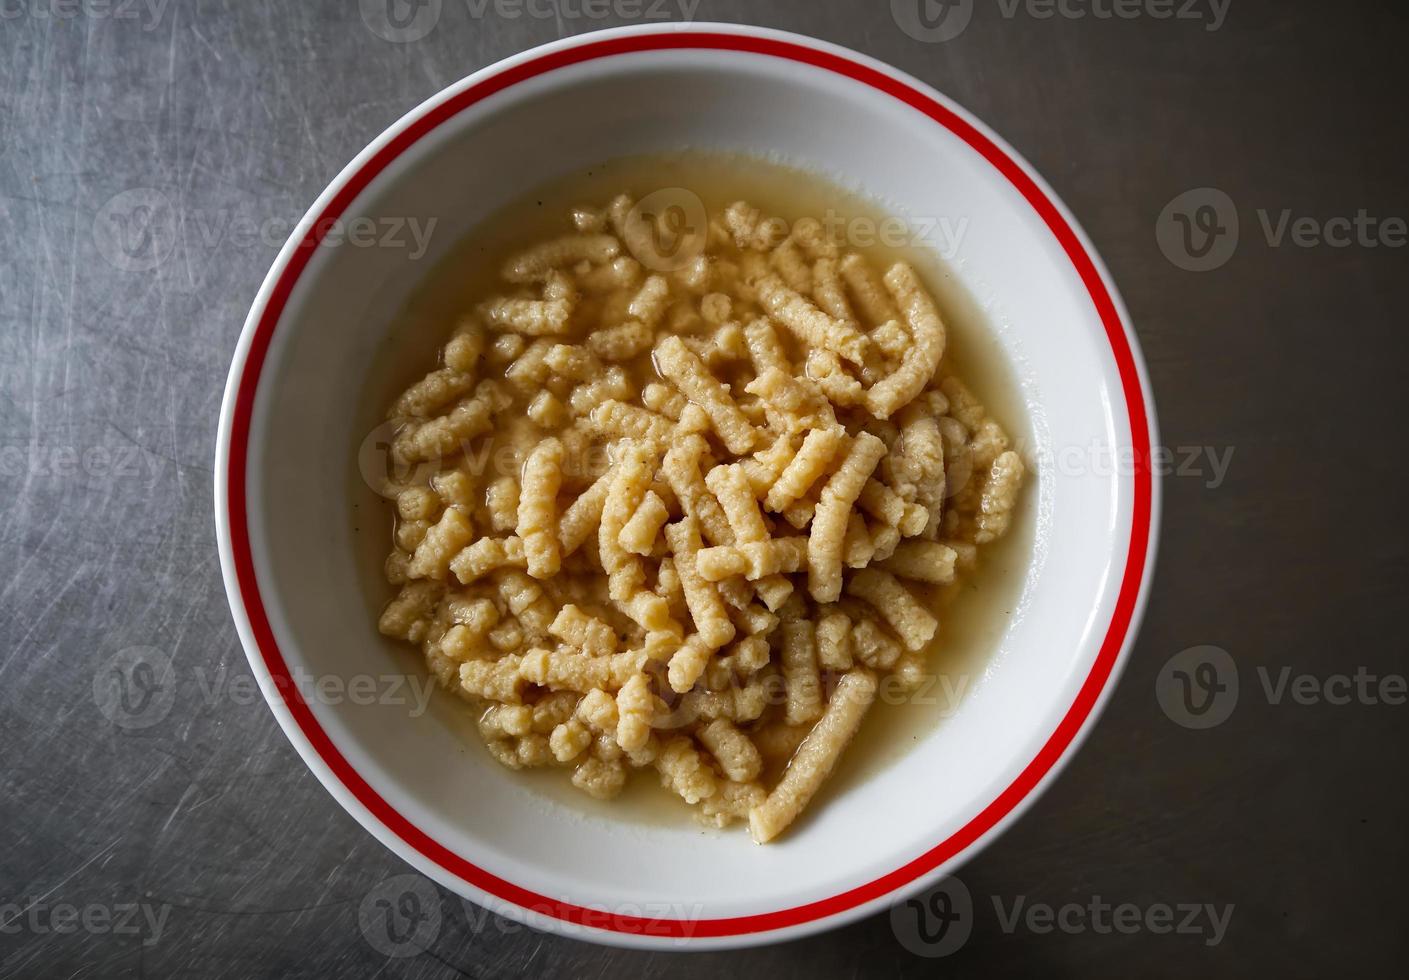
189 840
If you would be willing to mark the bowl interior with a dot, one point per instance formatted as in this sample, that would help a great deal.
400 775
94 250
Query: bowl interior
328 374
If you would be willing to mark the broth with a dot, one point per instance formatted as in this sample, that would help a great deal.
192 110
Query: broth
974 614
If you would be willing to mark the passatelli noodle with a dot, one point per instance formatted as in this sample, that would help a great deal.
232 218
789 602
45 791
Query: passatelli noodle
693 521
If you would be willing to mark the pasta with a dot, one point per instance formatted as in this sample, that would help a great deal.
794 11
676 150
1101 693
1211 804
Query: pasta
689 519
814 760
538 504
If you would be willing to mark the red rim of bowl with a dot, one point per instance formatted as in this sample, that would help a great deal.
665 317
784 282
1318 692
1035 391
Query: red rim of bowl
989 817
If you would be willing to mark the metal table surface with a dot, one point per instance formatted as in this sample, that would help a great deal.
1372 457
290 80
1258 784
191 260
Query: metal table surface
1265 832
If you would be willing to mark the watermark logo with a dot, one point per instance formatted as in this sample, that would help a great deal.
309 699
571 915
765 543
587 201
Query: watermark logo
401 917
666 920
936 21
1364 687
135 688
149 12
1362 230
67 462
401 21
136 230
39 916
139 229
936 923
385 472
1203 920
411 692
944 234
932 21
940 922
406 21
1198 230
1212 14
667 229
1198 687
1208 464
595 10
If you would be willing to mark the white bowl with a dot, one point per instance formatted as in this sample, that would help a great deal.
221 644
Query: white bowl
296 410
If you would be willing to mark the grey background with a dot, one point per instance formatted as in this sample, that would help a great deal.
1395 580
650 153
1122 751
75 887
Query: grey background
239 113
